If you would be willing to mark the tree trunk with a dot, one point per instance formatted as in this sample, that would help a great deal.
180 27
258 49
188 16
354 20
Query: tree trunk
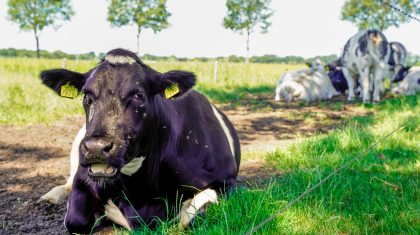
247 46
138 40
37 43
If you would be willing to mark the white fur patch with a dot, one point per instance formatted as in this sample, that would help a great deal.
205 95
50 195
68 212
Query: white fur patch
191 207
225 129
117 59
57 195
133 166
60 193
114 213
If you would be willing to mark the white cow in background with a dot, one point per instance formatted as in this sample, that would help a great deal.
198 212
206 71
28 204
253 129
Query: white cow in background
410 85
311 84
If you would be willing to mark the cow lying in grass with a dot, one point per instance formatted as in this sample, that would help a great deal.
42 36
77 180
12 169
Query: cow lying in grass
308 85
411 83
149 143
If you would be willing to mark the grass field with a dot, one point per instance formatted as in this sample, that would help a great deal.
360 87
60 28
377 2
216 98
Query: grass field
377 194
24 100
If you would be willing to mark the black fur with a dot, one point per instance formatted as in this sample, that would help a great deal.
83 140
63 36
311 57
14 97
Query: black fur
56 78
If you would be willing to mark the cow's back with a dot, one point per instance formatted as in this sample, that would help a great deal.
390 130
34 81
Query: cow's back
367 48
207 140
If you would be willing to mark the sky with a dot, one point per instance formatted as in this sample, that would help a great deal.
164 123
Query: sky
304 28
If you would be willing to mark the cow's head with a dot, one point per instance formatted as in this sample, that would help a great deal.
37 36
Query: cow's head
400 73
120 99
335 73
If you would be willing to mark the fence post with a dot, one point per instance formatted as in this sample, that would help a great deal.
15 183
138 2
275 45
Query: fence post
216 67
64 63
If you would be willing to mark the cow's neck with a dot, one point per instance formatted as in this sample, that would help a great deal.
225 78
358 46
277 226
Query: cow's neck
159 137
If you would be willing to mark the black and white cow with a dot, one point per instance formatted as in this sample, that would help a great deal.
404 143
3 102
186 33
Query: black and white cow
397 70
365 57
411 83
397 57
309 85
141 153
335 73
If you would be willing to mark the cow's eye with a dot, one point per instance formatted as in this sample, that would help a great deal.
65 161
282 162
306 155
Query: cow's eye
138 96
87 99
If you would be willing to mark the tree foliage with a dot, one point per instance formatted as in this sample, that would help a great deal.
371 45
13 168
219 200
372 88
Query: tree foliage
245 16
35 15
145 14
374 14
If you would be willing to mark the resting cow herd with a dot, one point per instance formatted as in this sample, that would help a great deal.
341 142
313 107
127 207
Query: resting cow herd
150 143
367 59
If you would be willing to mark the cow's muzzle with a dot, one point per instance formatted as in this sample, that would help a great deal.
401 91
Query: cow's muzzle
101 170
97 153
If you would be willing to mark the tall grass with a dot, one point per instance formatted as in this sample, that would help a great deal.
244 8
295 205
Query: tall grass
24 100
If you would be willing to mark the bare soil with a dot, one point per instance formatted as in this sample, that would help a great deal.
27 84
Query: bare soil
34 158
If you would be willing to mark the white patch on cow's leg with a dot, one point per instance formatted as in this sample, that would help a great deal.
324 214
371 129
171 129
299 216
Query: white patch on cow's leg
191 208
364 78
378 85
350 83
114 213
225 129
133 166
60 193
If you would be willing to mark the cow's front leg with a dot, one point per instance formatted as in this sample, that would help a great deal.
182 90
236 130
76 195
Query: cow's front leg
81 209
364 77
191 207
350 83
378 85
130 216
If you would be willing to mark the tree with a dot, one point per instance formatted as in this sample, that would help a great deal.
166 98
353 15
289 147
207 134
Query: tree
374 14
244 16
145 14
35 15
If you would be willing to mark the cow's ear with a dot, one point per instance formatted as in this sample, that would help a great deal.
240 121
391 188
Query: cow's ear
173 83
66 83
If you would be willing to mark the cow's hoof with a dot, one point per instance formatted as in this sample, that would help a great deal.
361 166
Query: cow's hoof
57 194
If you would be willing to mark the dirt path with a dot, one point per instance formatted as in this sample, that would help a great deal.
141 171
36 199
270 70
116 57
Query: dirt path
33 159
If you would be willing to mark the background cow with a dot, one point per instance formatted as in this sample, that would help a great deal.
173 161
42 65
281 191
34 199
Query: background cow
365 56
335 73
411 83
308 85
397 57
149 144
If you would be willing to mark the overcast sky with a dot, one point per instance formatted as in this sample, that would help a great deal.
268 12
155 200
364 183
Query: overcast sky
300 27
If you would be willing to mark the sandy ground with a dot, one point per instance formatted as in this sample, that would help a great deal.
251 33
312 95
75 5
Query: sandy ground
34 158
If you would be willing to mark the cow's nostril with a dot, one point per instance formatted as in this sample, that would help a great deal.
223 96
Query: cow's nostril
108 147
98 147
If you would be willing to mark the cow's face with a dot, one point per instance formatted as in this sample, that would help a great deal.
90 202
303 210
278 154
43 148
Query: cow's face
120 97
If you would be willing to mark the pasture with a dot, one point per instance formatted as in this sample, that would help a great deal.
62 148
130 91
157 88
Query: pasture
286 149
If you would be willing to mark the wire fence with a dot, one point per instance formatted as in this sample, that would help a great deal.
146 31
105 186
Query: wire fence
301 196
400 10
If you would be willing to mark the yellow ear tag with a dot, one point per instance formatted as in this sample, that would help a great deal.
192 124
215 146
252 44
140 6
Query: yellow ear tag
171 90
69 91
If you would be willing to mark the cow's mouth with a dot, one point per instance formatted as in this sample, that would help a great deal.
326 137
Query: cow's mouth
101 170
